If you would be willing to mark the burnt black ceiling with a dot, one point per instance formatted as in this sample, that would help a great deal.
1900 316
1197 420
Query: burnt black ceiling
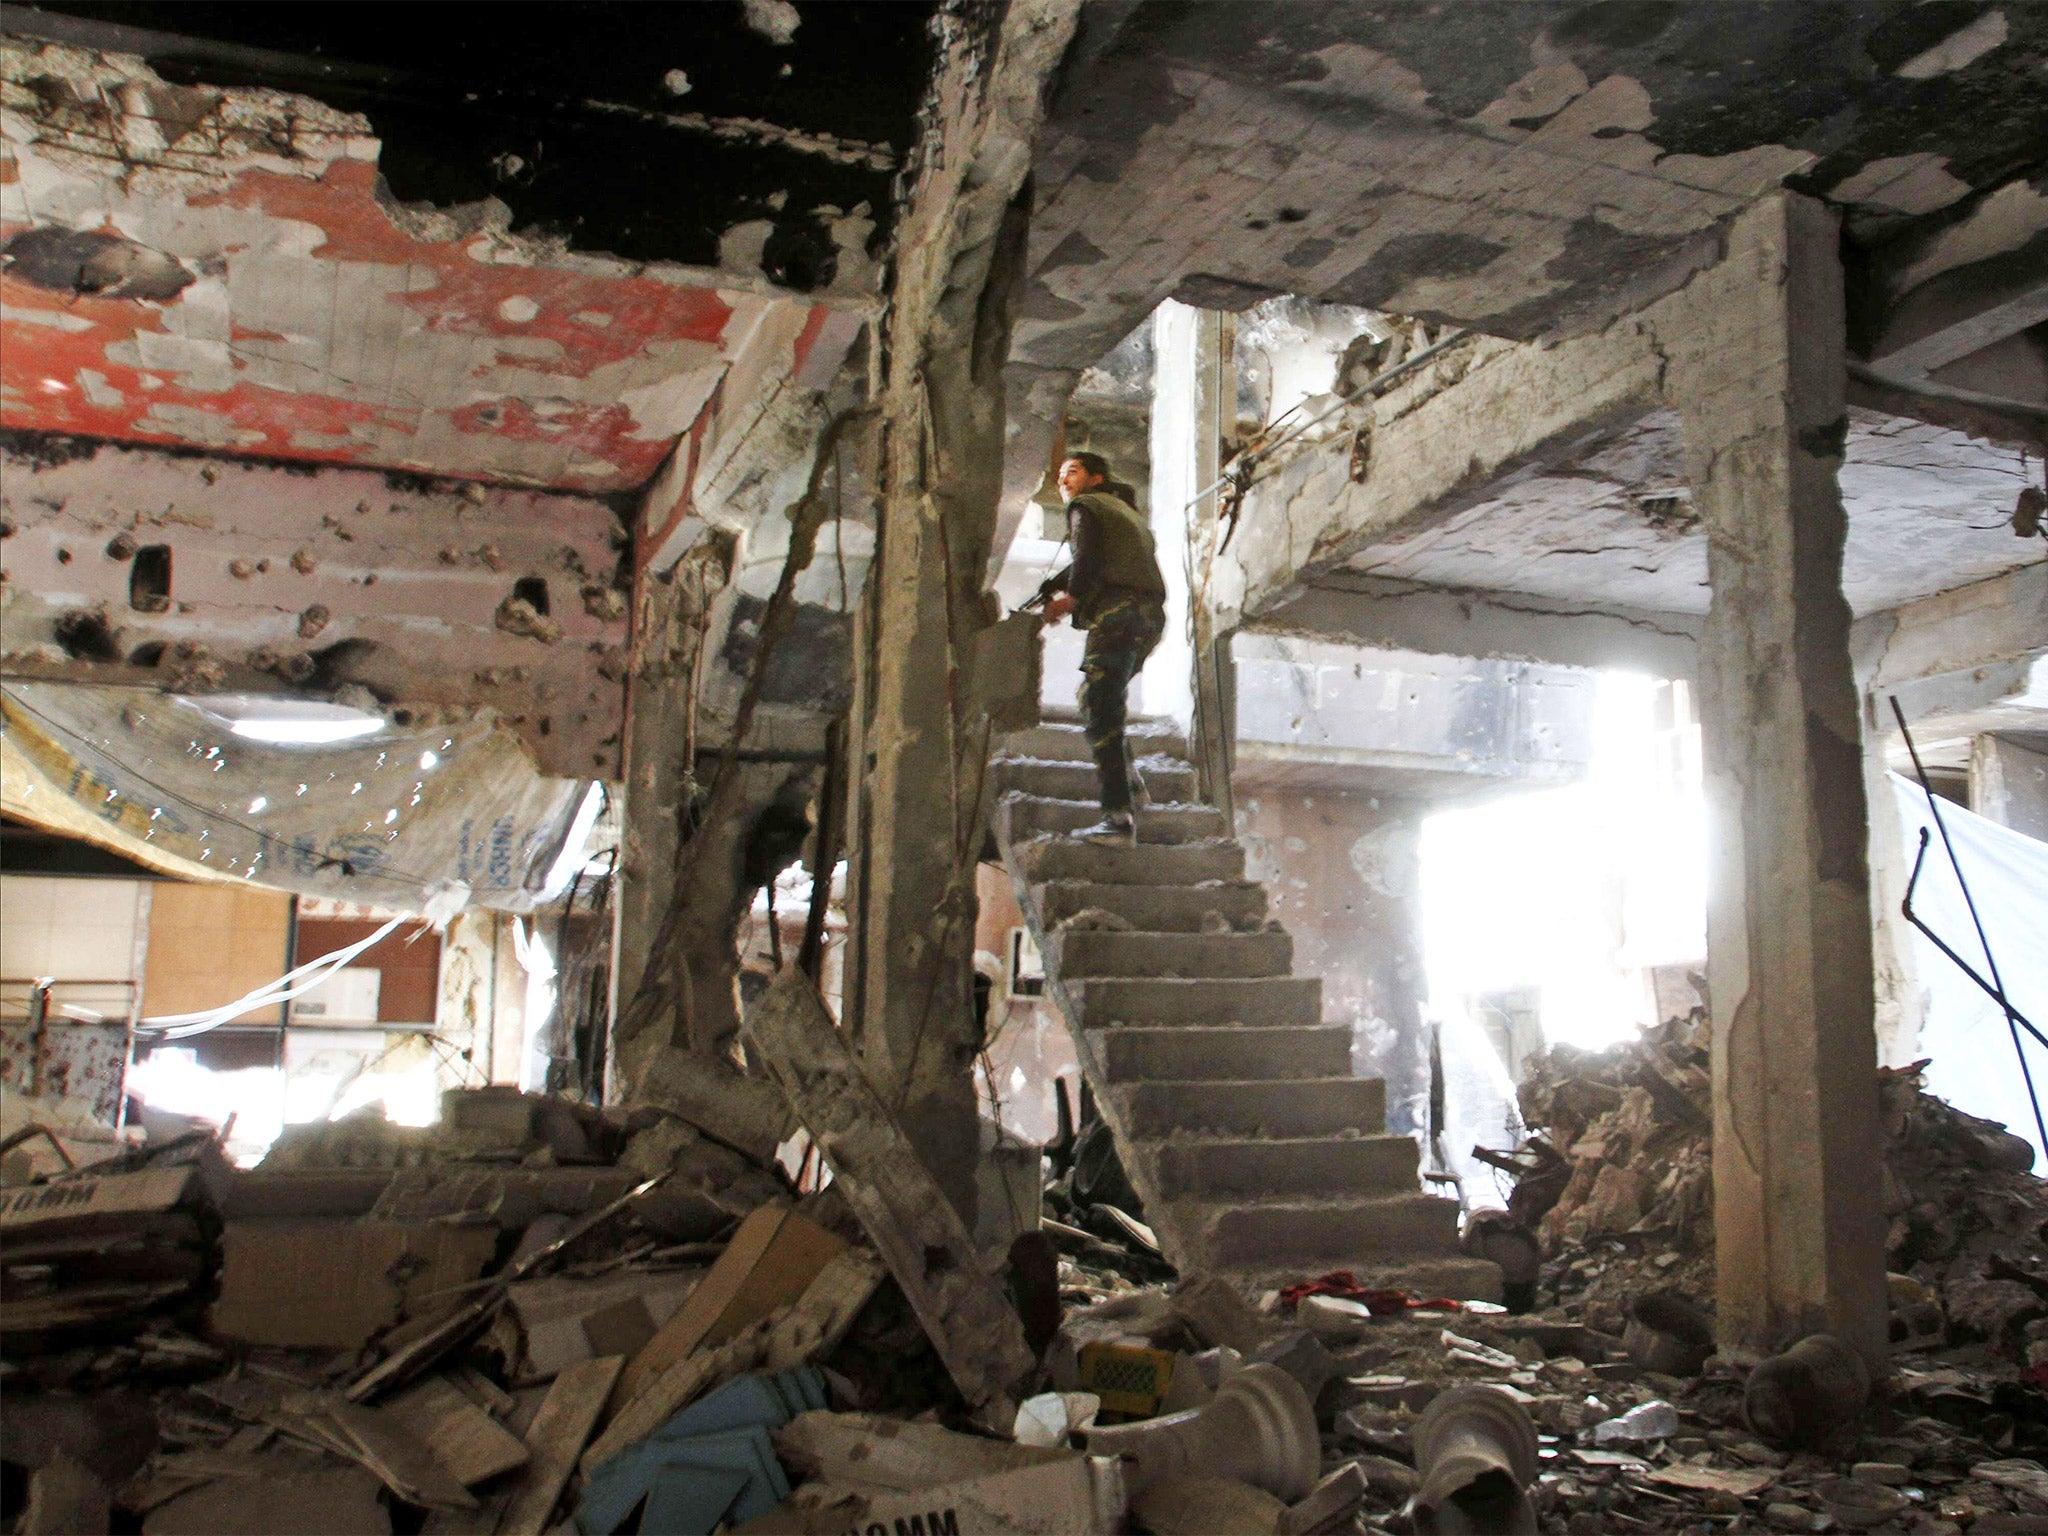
554 109
1722 75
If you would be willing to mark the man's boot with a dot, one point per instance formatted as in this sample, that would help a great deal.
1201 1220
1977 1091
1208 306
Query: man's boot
1117 829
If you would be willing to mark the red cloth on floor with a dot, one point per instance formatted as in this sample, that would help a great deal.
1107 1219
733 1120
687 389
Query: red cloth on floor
1380 1302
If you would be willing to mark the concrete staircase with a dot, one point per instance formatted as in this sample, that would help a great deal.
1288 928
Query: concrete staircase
1256 1152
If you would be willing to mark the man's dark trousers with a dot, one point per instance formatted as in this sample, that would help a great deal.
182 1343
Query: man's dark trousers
1125 630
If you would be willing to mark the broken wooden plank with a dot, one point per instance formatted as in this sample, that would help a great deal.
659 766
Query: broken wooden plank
566 1418
676 1388
379 1443
956 1295
456 1432
827 1308
788 1337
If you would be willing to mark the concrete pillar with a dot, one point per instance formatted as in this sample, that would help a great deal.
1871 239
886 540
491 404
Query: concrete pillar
1798 1219
2009 782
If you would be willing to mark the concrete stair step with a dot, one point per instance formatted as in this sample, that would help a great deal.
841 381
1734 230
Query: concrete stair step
1255 1002
1193 1053
1354 1167
1062 858
1327 1233
1155 908
1077 781
1281 1109
1027 816
1066 741
1097 952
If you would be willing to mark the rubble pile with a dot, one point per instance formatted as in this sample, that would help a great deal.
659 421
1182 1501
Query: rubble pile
537 1317
1617 1183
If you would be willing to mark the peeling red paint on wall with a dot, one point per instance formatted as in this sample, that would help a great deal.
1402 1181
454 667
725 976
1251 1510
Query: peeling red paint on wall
323 330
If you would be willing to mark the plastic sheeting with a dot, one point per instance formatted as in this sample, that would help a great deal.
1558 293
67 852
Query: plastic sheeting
1964 1033
406 818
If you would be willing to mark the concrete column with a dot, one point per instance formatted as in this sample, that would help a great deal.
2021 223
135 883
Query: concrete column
2009 782
1798 1219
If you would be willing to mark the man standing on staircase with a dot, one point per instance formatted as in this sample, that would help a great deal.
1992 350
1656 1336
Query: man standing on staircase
1114 591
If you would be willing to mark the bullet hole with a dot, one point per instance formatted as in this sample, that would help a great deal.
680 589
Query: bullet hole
799 254
150 653
89 263
1292 215
401 716
2027 511
607 603
533 591
303 561
86 635
312 621
121 547
63 556
149 579
489 558
1257 224
242 570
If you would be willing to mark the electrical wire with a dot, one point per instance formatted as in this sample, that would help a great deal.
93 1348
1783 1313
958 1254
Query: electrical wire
294 983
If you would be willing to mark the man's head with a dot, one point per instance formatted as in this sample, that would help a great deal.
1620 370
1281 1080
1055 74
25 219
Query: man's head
1081 473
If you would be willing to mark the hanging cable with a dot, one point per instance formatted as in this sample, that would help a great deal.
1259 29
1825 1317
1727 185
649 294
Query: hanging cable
294 983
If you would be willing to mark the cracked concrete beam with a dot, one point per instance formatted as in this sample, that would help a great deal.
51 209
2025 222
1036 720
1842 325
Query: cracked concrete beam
1487 410
1447 621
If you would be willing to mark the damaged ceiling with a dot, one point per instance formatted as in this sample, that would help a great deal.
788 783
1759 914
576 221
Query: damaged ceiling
1929 509
1535 168
232 295
300 245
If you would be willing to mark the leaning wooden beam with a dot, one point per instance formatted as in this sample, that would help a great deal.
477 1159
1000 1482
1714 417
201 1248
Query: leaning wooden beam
913 1226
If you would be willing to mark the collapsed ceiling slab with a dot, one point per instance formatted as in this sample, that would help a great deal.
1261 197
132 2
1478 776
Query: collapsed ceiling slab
227 269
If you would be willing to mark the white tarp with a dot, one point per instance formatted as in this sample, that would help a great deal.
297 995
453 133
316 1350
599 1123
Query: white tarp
395 819
1965 1032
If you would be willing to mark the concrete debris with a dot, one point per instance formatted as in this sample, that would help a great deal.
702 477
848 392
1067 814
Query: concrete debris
517 616
1475 1453
1619 1331
905 1214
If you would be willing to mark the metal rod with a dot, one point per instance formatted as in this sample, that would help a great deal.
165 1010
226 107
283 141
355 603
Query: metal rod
1990 960
1249 460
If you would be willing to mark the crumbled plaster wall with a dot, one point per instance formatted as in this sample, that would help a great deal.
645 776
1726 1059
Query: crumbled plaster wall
303 579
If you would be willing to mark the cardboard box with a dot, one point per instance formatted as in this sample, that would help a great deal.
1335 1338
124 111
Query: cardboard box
331 1284
83 1200
770 1262
1081 1496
